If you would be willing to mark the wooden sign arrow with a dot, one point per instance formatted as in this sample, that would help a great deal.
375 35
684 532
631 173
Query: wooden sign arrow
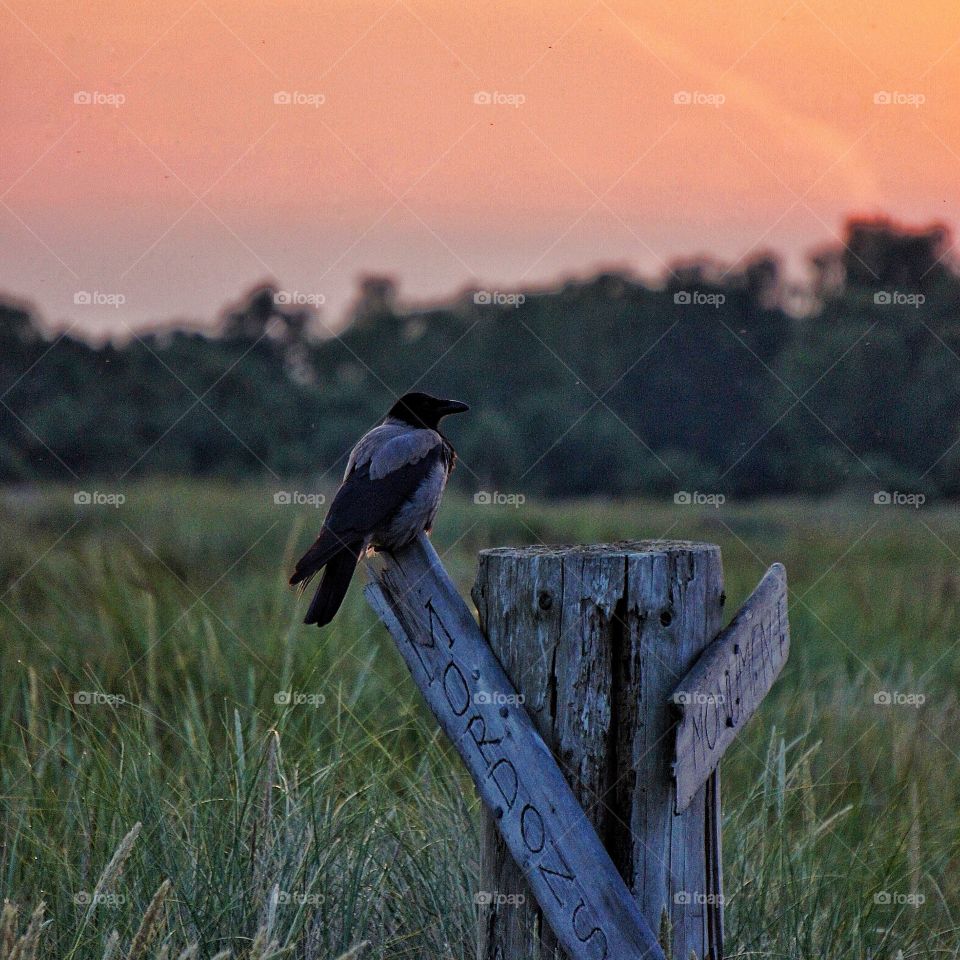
726 685
579 890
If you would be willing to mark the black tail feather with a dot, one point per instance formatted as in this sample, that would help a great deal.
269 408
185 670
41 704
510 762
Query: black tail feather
333 586
326 546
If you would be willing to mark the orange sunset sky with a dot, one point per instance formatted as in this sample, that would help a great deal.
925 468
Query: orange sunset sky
177 181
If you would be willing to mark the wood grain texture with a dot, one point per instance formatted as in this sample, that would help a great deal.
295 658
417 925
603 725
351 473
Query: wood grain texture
596 639
727 684
582 896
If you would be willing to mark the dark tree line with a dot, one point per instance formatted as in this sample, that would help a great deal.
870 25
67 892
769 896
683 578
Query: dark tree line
714 380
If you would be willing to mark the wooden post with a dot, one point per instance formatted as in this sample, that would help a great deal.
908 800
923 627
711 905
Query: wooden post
593 718
596 639
570 873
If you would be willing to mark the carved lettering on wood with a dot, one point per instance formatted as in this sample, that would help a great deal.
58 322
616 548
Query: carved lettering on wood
728 682
576 884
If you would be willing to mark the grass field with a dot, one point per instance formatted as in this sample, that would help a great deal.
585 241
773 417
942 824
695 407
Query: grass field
148 649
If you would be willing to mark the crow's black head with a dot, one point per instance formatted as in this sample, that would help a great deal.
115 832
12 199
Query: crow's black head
422 410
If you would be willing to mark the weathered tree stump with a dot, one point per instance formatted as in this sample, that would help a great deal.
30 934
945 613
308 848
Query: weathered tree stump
596 640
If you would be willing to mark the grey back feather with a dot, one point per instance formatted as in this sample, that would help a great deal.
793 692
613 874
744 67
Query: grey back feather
390 446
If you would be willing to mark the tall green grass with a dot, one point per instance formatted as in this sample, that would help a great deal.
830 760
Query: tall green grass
292 790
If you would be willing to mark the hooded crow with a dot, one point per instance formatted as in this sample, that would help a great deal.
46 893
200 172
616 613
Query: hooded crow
390 492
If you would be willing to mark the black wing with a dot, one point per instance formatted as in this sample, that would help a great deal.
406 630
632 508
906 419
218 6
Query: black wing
361 506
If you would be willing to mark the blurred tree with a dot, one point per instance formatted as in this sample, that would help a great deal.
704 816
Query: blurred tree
602 386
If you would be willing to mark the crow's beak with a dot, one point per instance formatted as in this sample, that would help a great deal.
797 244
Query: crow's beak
452 406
